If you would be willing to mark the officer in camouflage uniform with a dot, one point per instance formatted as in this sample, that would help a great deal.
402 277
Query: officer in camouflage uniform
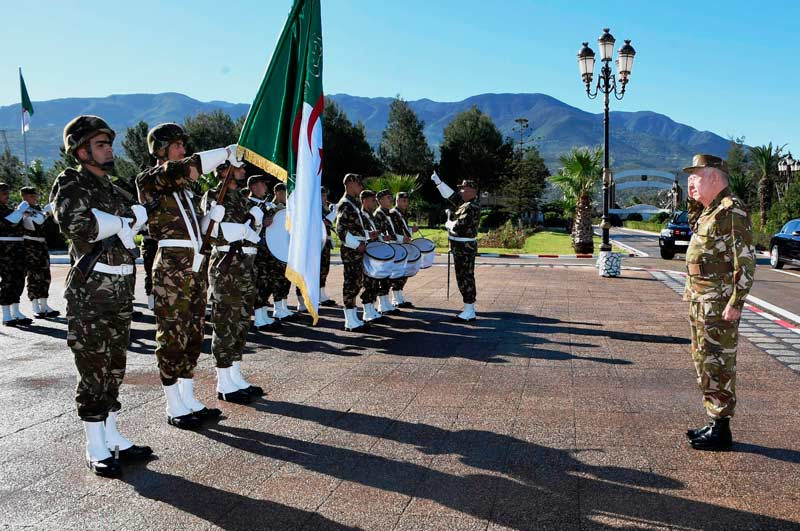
371 285
351 231
179 269
98 221
328 217
721 265
257 185
462 231
37 257
383 220
232 287
12 259
277 268
398 216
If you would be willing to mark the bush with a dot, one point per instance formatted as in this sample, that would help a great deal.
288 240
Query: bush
661 217
494 217
553 219
634 216
506 237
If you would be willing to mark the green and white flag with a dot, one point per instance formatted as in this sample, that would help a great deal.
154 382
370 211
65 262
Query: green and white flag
283 135
27 106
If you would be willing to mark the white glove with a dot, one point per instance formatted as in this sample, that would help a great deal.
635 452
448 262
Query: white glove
234 232
212 158
107 224
445 190
27 222
450 224
332 215
217 212
23 206
36 217
436 180
125 234
141 217
447 211
258 215
48 208
233 157
351 241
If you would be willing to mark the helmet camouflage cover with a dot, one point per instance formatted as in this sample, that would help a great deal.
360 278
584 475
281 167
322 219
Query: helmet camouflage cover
81 129
163 135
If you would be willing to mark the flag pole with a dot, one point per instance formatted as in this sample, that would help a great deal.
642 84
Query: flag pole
24 136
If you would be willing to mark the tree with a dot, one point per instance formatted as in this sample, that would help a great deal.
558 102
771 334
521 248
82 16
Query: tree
135 145
578 179
765 162
403 147
10 169
740 170
346 149
211 130
473 148
526 183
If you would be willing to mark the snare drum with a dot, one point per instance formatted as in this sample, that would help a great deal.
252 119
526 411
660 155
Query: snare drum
414 260
277 237
427 248
378 260
400 255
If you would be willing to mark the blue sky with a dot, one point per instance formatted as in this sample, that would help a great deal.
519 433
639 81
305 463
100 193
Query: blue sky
727 66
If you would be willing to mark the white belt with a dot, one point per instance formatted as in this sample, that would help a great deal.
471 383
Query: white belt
245 250
124 269
186 244
34 239
10 238
459 239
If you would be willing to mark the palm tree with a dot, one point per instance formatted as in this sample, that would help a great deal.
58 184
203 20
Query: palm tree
766 160
578 179
394 182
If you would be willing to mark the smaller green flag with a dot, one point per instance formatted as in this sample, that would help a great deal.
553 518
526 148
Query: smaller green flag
27 106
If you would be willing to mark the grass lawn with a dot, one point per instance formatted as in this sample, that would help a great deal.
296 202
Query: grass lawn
544 242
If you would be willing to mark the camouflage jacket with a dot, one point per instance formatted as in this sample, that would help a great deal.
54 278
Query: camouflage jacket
400 226
75 193
169 188
693 211
326 210
386 225
722 235
467 217
348 219
8 229
370 223
237 210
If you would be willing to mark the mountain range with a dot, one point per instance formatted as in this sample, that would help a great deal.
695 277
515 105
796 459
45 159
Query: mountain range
641 139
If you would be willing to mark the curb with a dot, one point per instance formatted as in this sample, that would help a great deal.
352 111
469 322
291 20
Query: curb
537 256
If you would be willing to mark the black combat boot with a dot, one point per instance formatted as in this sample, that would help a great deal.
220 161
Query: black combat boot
696 432
718 437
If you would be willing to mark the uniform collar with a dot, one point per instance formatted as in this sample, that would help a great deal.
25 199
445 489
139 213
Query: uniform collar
725 192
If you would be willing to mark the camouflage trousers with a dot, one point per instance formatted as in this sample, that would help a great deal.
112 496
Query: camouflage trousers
464 260
383 286
37 269
261 278
398 284
714 342
371 288
98 333
280 284
353 276
180 310
12 272
232 296
149 250
324 264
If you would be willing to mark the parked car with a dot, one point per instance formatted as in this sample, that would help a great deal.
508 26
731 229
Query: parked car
784 247
675 238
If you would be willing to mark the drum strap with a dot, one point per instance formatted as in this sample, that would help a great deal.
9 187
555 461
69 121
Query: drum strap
403 219
360 219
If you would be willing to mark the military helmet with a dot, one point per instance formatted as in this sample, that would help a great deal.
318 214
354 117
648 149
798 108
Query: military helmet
162 135
81 129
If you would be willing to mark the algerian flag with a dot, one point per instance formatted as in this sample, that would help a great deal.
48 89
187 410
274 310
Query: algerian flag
283 135
27 106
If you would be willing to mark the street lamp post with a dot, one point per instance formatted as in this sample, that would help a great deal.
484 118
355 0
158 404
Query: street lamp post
607 84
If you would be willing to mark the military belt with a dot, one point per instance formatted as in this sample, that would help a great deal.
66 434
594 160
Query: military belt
705 270
245 250
124 269
34 239
10 238
460 239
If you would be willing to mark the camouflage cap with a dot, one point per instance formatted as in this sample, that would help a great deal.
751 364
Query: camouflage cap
352 177
383 193
81 129
4 187
468 183
702 160
162 135
279 187
253 179
365 194
402 195
28 190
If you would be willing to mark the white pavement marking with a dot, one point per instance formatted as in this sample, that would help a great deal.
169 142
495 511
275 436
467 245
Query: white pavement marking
786 273
640 254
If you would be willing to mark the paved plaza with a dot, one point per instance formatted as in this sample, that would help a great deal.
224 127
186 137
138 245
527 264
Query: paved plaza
563 407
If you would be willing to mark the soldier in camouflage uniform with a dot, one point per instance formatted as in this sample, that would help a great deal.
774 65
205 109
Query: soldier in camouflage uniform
37 257
721 265
277 268
179 270
351 232
98 221
12 259
371 285
383 220
462 232
328 217
232 286
257 185
398 216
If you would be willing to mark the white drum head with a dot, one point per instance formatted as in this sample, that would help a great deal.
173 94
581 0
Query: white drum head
277 237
